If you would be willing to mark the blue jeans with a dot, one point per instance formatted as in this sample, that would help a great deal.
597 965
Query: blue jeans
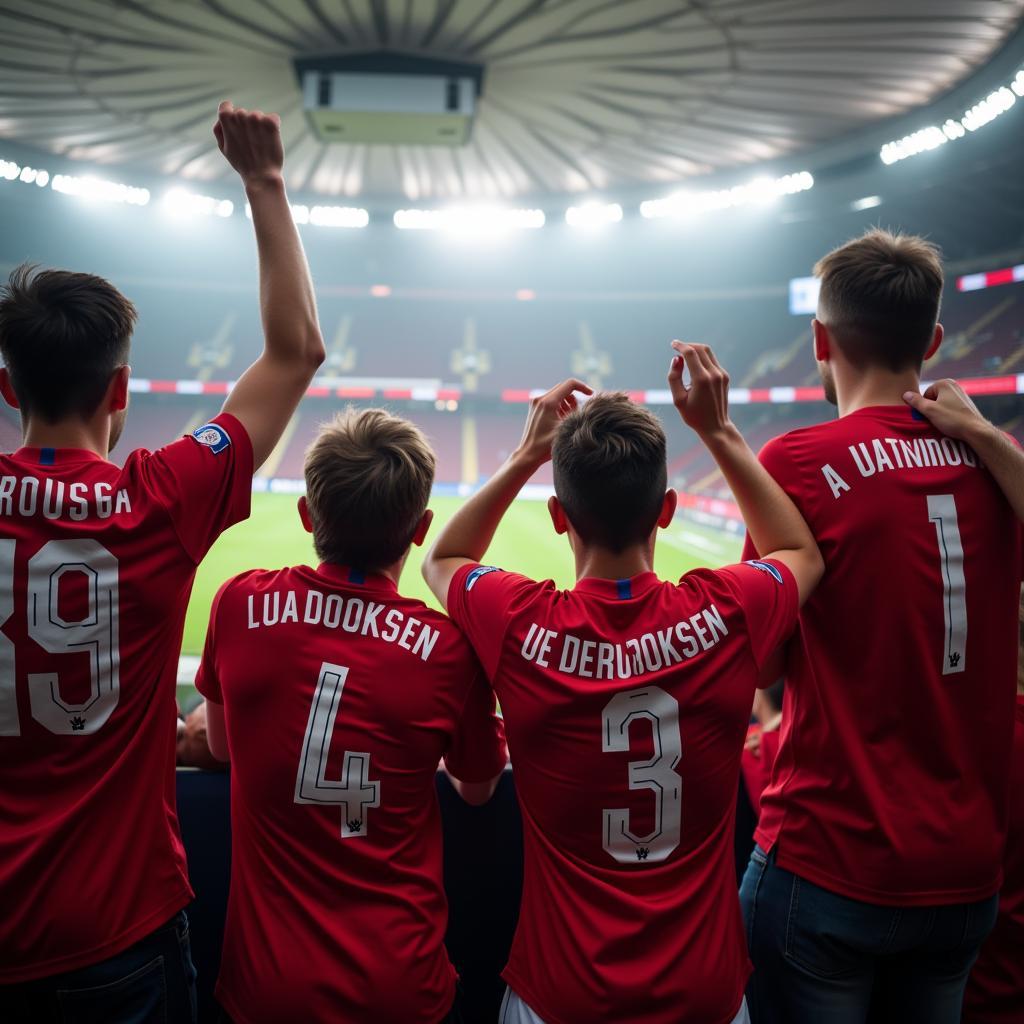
822 958
152 982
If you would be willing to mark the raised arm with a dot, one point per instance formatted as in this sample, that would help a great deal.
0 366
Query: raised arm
775 525
949 408
468 534
266 395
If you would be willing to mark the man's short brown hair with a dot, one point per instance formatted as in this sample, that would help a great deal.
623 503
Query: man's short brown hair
368 480
610 472
880 297
62 336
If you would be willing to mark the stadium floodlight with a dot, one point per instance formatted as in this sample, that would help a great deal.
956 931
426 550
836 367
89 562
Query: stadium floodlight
179 202
593 214
11 171
89 187
994 105
761 190
339 217
866 203
326 216
469 219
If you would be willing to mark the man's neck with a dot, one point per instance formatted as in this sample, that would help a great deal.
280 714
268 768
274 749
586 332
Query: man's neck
873 388
68 434
607 565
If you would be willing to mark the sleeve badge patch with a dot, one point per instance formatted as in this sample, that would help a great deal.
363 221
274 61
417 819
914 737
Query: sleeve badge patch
768 568
213 437
480 570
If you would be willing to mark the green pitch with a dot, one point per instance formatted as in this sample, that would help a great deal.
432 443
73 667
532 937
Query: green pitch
273 537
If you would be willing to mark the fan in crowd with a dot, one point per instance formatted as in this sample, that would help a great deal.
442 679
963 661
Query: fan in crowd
995 991
93 877
762 743
881 833
300 661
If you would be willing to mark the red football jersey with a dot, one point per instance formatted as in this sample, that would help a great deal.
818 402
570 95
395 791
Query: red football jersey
757 768
626 704
340 697
890 784
96 568
995 989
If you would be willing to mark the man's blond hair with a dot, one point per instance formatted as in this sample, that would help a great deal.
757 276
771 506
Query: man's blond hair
880 296
368 480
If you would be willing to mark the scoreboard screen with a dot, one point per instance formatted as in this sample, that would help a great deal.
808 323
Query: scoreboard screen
803 295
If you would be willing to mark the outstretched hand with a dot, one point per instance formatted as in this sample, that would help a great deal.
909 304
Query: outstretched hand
948 408
546 412
704 405
250 141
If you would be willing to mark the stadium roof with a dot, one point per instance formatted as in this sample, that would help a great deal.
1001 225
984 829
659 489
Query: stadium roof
579 95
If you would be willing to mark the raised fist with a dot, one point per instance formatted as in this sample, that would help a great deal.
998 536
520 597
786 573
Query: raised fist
250 141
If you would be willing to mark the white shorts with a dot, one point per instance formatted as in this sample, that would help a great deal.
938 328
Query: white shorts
515 1011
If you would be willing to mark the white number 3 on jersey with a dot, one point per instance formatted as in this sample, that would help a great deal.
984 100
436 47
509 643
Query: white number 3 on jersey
657 774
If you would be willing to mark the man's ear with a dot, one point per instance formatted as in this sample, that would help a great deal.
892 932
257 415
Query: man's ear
6 388
307 522
668 508
559 519
822 341
422 526
936 342
117 392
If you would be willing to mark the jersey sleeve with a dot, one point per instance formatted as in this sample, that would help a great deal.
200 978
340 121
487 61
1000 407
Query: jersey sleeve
204 481
775 457
481 599
478 751
207 681
767 595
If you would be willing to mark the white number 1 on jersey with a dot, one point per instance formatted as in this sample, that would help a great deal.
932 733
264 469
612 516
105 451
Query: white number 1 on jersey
942 512
353 791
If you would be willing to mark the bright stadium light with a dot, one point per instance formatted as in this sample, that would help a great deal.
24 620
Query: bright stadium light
592 215
866 203
11 171
326 216
179 202
994 105
339 217
761 190
88 187
469 220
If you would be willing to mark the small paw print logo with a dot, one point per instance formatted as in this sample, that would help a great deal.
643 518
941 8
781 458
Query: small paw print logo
77 723
355 825
642 852
954 659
